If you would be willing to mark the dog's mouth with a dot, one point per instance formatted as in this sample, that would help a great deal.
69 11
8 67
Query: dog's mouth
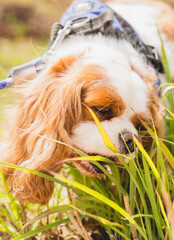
91 170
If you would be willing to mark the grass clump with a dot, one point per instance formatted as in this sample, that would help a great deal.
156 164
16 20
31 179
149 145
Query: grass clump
133 201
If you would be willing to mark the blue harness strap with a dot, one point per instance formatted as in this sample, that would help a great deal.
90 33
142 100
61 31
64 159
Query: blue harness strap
87 8
93 9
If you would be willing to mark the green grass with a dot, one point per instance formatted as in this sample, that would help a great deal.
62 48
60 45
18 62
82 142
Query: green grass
137 195
133 201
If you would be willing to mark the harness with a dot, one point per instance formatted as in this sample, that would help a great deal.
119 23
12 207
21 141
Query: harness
90 17
101 18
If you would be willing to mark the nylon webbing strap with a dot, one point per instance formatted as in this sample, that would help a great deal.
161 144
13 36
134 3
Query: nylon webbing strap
101 18
100 24
150 52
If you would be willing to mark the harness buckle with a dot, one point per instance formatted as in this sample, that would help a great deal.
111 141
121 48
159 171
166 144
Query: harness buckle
61 34
154 57
78 23
64 32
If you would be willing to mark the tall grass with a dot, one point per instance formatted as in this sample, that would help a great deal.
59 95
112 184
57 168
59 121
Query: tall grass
134 201
168 99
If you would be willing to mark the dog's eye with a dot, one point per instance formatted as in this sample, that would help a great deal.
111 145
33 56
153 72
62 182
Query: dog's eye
140 127
104 112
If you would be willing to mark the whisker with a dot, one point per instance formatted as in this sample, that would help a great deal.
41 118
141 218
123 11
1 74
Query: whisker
162 139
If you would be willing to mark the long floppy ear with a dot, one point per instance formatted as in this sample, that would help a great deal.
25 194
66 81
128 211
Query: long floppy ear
156 110
139 65
148 74
50 108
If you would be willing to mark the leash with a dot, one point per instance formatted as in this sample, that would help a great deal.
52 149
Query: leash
32 69
85 17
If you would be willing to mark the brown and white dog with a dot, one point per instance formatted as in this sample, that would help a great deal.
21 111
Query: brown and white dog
107 75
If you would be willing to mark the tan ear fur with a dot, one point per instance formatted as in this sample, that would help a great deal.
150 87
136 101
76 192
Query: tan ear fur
154 104
149 75
166 19
50 108
156 111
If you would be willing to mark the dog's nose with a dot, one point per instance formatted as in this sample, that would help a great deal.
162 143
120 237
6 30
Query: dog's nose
126 142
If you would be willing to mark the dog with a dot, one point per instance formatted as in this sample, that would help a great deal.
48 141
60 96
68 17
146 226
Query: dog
96 71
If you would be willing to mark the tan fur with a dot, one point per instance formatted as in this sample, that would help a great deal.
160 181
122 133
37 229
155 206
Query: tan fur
138 120
155 110
150 74
43 115
63 65
107 97
93 95
154 105
166 20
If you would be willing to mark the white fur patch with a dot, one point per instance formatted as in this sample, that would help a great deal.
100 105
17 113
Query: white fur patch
87 137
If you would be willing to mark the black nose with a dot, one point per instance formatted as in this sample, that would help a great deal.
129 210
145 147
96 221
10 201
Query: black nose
126 142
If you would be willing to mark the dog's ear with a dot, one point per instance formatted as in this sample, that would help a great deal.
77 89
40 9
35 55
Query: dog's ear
50 108
138 64
154 104
156 110
148 74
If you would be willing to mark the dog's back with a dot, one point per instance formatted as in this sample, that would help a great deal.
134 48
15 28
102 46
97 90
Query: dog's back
147 17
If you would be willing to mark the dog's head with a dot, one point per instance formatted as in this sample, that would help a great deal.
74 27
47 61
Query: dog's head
109 77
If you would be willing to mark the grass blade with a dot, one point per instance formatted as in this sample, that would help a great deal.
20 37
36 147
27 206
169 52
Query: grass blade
104 135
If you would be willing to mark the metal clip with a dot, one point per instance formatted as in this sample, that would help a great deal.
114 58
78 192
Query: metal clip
79 23
62 33
155 54
154 57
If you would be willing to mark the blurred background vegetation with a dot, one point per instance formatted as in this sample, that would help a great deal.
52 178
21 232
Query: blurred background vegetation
24 34
25 27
